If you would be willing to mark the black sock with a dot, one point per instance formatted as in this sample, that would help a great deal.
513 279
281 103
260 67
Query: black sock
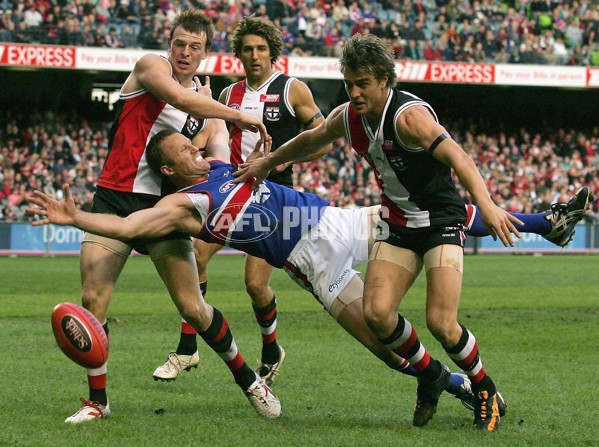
270 349
188 344
220 342
485 384
432 371
98 396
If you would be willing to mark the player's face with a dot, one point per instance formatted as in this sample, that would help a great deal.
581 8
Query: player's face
367 94
183 158
255 58
186 51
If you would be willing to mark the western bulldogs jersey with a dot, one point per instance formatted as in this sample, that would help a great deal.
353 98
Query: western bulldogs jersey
266 222
417 189
140 115
270 103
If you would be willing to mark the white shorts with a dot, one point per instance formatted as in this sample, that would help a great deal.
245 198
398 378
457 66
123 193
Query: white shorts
322 261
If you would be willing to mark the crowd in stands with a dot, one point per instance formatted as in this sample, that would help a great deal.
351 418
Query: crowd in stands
555 32
524 171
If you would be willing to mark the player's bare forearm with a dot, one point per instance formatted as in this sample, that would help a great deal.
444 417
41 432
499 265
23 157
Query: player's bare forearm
152 222
498 221
306 144
258 166
153 72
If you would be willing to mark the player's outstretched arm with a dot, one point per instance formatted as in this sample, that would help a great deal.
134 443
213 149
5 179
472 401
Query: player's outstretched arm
417 128
173 213
300 147
154 73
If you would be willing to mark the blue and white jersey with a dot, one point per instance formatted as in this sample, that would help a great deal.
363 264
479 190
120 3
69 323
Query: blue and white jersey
266 222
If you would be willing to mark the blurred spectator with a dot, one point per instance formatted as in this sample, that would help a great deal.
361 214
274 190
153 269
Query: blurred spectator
7 28
560 50
128 38
71 34
489 46
100 36
331 40
88 35
112 39
478 54
314 35
412 51
440 27
22 34
340 14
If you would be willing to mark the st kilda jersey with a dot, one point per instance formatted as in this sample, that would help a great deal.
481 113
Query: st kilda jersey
266 222
139 116
417 189
270 103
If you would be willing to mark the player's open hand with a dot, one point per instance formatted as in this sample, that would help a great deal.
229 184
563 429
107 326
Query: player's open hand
60 212
500 224
261 149
205 88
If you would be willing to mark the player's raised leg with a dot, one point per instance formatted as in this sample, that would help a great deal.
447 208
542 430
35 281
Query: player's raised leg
557 224
565 216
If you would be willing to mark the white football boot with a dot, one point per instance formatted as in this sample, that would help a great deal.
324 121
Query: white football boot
175 364
264 401
89 412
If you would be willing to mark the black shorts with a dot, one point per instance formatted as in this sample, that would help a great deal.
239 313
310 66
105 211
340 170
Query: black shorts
108 201
421 240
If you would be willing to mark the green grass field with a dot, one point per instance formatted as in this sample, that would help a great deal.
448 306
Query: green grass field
536 319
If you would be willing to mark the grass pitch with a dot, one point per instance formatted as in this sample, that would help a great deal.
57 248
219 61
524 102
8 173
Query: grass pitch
536 320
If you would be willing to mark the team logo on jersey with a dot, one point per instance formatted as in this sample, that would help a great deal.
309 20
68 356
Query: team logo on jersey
272 113
192 126
396 162
388 145
235 106
228 186
270 98
241 224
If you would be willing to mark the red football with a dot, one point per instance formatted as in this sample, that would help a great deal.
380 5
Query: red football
80 335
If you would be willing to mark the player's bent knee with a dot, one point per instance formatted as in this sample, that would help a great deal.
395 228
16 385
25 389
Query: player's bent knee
375 318
437 327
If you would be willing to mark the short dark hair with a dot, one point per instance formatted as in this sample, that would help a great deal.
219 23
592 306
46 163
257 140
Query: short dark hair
154 154
258 26
369 54
194 21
